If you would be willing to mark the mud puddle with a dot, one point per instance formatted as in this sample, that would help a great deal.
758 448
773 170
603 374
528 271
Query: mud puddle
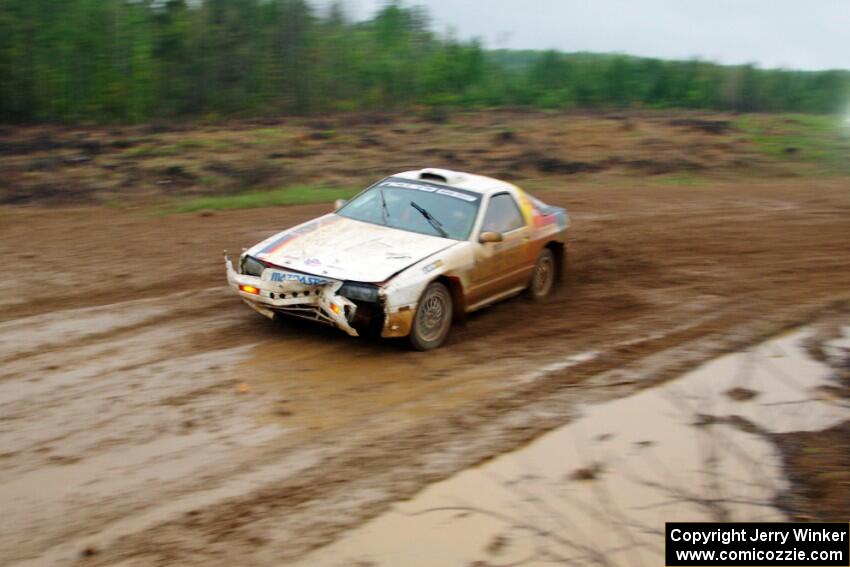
599 489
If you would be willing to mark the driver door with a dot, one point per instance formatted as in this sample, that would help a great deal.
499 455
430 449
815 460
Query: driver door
501 266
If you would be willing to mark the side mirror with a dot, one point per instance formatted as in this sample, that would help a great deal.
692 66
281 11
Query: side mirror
339 203
490 236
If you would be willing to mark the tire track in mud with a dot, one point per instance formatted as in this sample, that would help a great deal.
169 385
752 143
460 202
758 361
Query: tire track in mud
78 387
83 327
153 448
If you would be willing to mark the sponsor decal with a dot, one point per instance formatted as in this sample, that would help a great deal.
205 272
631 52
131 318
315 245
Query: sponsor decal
432 266
562 219
540 213
284 239
456 194
306 279
529 211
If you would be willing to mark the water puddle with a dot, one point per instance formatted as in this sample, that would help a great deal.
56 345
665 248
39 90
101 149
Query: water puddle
599 489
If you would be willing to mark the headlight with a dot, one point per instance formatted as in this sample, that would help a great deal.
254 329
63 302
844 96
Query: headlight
359 292
252 266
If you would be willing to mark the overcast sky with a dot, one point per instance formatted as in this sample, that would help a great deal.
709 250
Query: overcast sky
806 34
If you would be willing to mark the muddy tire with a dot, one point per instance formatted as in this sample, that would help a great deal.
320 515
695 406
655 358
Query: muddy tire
544 276
433 318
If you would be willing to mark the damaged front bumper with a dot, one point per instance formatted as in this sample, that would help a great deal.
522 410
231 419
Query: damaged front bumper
293 293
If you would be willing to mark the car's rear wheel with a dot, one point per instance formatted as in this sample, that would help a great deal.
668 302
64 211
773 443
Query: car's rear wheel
544 275
433 318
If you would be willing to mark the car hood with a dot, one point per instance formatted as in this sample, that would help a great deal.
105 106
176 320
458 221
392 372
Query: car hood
347 249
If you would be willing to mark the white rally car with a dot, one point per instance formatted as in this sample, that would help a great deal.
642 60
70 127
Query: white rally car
408 256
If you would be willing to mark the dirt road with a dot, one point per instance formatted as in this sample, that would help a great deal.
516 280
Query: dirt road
147 417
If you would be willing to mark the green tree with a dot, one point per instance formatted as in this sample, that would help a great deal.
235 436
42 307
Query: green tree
137 60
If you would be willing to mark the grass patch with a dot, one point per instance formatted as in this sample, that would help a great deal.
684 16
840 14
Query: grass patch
277 132
267 136
152 150
203 144
822 141
681 180
296 195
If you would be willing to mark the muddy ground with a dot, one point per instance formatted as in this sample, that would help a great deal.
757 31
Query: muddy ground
147 417
114 165
818 462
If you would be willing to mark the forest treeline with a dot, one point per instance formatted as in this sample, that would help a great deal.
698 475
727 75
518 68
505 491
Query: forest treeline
139 60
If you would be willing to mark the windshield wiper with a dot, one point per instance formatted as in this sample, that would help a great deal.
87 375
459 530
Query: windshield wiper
431 220
385 212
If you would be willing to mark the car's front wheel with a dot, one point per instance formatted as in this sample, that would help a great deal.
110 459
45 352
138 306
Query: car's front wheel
433 318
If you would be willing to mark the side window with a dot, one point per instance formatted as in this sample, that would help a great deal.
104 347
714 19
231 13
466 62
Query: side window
502 215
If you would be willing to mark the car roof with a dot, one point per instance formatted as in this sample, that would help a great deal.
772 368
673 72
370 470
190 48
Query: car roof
461 180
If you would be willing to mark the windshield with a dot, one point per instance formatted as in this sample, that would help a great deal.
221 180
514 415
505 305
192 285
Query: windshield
416 206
